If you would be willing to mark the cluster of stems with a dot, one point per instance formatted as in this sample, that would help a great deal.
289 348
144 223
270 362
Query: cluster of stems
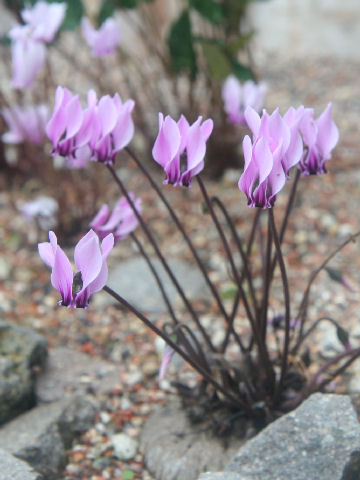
266 383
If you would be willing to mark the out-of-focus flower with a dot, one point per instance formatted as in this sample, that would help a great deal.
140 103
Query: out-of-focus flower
96 133
121 222
28 51
28 56
179 143
104 40
45 19
42 210
90 260
320 136
26 124
237 97
165 362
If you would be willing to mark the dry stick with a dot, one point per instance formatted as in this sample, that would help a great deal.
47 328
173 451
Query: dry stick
238 295
161 257
174 346
244 258
187 240
264 355
284 362
304 302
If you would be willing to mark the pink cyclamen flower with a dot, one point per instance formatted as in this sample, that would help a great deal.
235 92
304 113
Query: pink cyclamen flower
104 40
28 56
90 260
178 141
95 133
26 124
45 19
276 147
165 362
320 136
43 210
237 97
42 21
121 222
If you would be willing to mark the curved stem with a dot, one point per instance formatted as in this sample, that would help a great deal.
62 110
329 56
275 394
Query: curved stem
161 257
264 355
156 276
184 234
234 400
284 361
305 299
244 258
312 328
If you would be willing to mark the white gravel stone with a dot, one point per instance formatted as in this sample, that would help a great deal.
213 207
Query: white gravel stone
125 447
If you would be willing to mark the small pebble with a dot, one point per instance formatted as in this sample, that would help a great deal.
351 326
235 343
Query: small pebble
125 447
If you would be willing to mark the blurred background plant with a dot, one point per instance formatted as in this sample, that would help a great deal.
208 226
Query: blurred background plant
181 50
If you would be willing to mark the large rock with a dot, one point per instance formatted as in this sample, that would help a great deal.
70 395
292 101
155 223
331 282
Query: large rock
318 440
42 435
22 351
177 450
12 468
69 371
135 282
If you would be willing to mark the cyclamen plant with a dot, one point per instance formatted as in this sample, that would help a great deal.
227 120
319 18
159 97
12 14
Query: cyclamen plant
296 145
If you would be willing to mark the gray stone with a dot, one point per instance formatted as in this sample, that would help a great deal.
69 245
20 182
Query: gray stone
176 450
315 441
12 468
125 447
134 281
41 436
220 476
22 352
69 371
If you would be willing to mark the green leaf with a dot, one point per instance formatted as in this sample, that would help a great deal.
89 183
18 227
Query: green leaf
238 43
242 71
209 9
130 3
128 475
229 293
74 11
180 43
106 10
218 62
74 14
342 335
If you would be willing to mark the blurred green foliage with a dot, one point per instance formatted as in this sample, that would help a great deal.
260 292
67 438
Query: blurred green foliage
74 10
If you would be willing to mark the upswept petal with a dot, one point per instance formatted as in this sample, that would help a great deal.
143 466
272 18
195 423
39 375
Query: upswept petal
123 131
328 133
46 253
231 93
168 141
206 129
100 218
253 120
107 114
28 58
96 285
184 127
62 276
88 258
